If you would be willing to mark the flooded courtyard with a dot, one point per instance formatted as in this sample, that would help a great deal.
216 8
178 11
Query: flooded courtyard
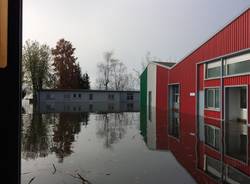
94 147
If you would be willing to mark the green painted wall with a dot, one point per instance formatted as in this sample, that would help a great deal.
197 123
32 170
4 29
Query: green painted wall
143 104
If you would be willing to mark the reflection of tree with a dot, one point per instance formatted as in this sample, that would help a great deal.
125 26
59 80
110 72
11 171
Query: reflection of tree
68 125
35 139
113 127
46 133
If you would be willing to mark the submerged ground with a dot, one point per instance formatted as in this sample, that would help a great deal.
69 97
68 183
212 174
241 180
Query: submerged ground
102 148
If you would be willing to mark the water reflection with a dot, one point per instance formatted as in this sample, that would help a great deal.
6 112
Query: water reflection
113 126
212 151
104 147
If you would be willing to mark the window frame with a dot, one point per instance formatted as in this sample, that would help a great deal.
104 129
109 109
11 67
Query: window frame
214 89
215 62
214 142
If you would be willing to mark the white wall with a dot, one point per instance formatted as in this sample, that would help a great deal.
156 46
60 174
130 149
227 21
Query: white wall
151 125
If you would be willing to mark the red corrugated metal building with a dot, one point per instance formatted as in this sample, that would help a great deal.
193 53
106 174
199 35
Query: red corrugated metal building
207 95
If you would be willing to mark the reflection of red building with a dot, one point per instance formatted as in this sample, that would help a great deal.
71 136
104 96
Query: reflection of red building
203 101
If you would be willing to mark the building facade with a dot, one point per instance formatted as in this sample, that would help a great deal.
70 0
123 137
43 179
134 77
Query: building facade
206 95
87 100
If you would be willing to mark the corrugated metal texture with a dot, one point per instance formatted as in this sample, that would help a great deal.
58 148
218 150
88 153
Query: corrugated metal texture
201 76
239 80
212 83
212 114
212 153
211 121
162 104
234 37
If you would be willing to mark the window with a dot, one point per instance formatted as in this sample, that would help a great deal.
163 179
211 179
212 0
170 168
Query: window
235 176
213 69
174 124
213 167
243 98
74 95
149 105
80 95
212 99
111 96
212 136
174 97
90 96
130 106
130 96
238 64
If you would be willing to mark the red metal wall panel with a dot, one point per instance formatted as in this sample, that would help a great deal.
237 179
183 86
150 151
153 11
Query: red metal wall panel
234 37
161 107
212 83
212 114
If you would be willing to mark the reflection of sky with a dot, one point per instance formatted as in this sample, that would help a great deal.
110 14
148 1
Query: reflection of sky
168 28
128 160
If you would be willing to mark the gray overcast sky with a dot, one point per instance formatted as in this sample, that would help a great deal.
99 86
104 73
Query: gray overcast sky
169 29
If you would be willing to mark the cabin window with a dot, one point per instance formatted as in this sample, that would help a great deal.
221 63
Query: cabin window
80 95
74 95
212 136
130 96
213 69
130 106
90 96
212 99
149 105
111 96
238 64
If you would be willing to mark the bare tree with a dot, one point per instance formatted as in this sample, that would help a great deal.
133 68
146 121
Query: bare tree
104 71
119 75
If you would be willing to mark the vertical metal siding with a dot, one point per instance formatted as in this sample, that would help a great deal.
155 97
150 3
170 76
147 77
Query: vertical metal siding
234 37
161 104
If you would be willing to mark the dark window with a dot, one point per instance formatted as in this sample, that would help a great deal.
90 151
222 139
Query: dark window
212 99
243 98
91 96
238 68
174 124
111 96
74 95
212 136
80 95
174 97
130 106
213 167
130 96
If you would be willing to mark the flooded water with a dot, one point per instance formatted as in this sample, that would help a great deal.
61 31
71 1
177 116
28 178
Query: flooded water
67 143
99 147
